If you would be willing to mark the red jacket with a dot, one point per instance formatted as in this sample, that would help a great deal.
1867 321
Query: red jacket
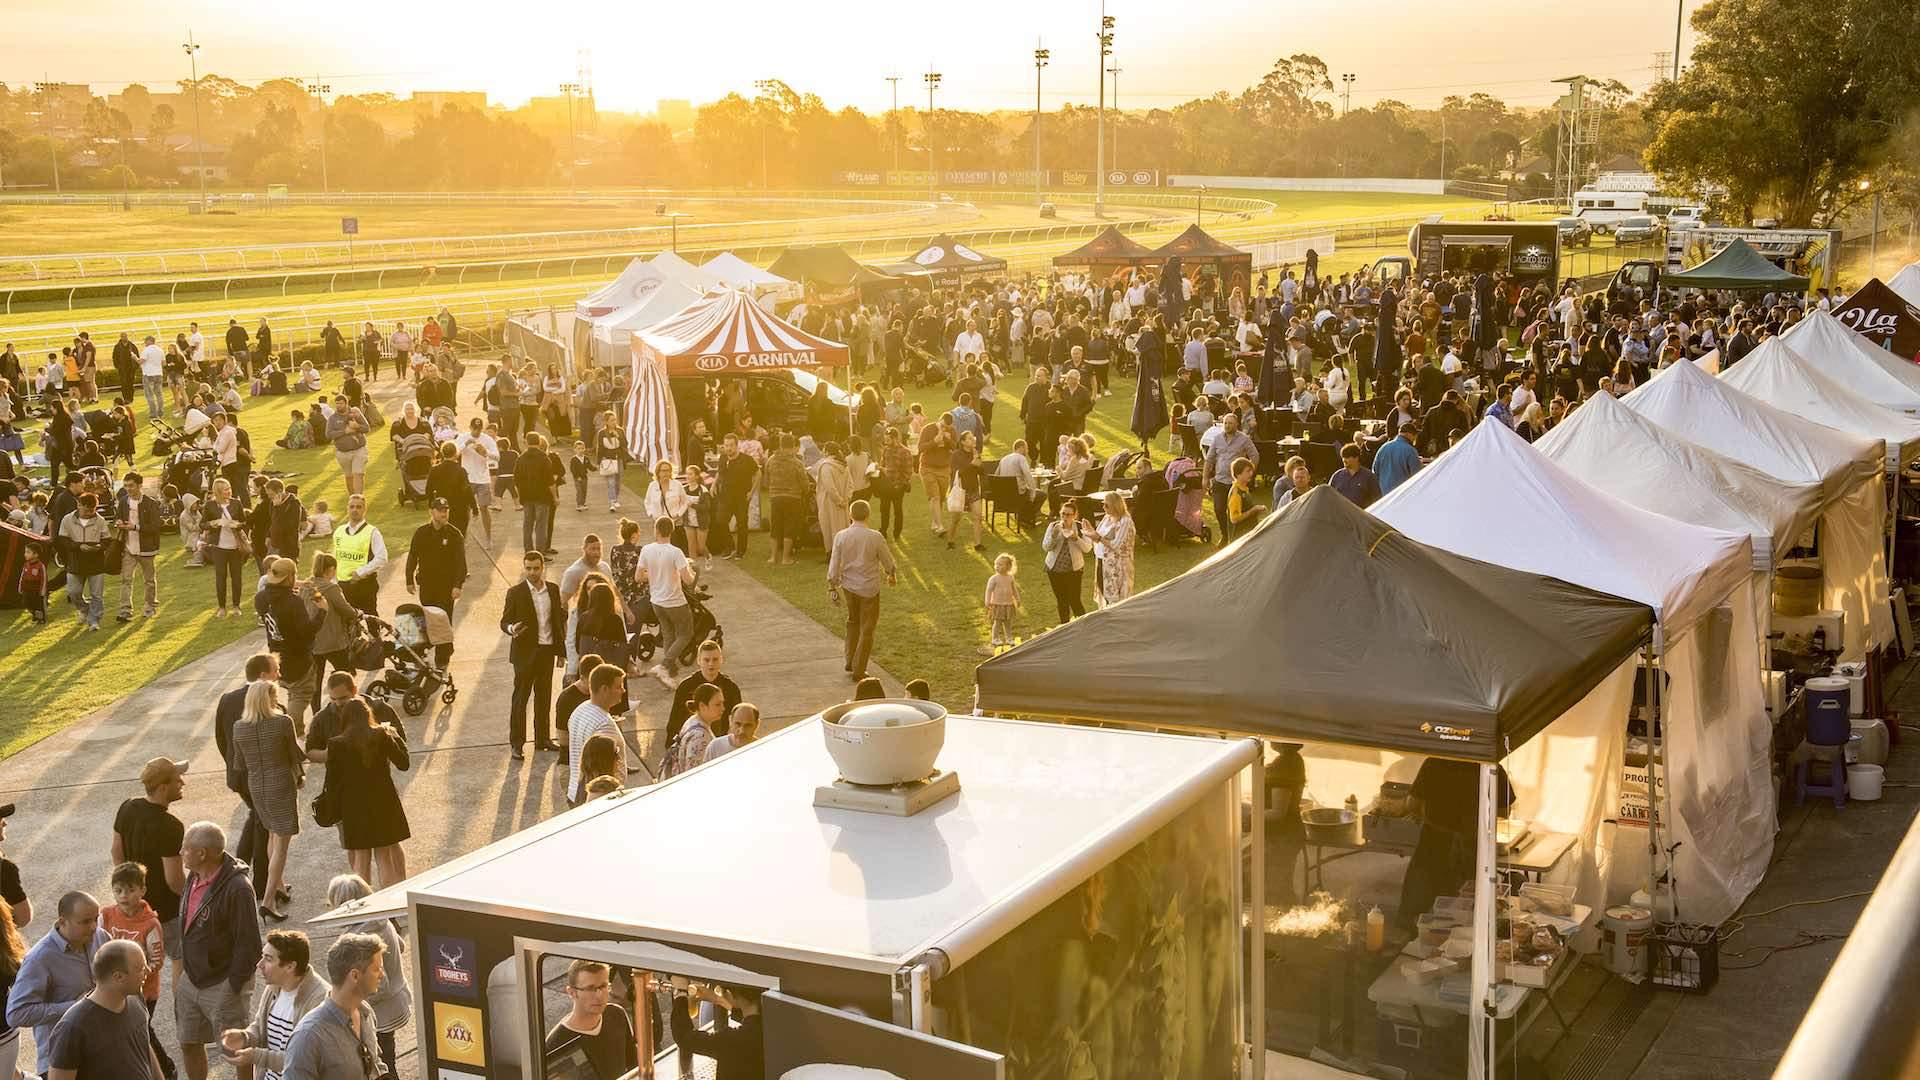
143 929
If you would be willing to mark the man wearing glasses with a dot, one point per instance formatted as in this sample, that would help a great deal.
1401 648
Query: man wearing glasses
595 1039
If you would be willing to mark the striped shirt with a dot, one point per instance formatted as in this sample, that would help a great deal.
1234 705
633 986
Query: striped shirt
280 1024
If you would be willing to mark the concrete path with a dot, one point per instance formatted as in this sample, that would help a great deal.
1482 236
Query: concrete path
463 790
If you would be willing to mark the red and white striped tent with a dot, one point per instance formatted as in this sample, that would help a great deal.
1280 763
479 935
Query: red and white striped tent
721 334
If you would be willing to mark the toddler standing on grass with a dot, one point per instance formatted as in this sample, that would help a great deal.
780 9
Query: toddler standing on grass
33 584
1002 600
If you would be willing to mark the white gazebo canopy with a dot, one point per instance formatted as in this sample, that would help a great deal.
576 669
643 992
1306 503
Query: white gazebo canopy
1856 363
684 272
1907 283
635 279
1637 461
1774 373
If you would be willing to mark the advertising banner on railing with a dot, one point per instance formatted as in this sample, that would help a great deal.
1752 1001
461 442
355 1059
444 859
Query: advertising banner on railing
909 177
861 177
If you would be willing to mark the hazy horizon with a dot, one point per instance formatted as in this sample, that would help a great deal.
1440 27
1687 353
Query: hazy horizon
639 56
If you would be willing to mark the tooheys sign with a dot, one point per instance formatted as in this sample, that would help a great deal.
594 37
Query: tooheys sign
1881 316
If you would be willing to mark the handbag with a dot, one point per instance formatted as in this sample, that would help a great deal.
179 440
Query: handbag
609 466
956 496
326 808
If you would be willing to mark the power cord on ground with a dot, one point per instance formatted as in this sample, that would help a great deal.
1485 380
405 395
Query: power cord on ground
1801 939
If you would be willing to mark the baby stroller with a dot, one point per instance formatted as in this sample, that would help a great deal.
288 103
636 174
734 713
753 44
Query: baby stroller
705 627
191 471
406 647
1190 498
167 438
416 460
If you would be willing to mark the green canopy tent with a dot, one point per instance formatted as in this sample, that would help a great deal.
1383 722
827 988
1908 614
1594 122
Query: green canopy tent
1737 266
1326 625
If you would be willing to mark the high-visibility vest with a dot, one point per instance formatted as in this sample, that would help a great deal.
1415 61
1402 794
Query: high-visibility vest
351 551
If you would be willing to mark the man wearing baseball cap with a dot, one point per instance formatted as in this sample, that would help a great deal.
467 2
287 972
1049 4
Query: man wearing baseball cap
146 832
437 559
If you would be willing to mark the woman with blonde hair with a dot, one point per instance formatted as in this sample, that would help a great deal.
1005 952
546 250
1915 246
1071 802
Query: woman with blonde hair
12 951
666 497
392 1004
1114 540
224 525
264 742
966 479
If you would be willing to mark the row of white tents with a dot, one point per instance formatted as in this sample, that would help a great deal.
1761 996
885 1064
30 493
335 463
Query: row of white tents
1686 495
650 291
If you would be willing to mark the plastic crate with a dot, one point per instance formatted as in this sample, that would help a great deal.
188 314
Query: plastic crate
1686 956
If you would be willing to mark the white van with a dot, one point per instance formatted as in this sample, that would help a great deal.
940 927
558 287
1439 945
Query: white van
1605 209
1686 217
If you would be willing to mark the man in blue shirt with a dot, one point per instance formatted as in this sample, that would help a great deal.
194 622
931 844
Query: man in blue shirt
56 972
1232 445
965 419
1357 482
1195 356
1396 462
1502 407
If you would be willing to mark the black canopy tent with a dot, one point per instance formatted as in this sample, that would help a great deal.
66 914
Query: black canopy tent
1110 250
1326 625
1737 266
1197 248
828 269
946 260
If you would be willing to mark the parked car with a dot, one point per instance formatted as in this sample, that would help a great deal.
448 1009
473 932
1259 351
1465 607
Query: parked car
1574 232
1636 230
1686 217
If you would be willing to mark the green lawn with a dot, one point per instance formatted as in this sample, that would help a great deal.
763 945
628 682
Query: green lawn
932 624
53 674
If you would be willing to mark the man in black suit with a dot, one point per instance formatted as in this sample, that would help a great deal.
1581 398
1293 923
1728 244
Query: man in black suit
536 619
253 839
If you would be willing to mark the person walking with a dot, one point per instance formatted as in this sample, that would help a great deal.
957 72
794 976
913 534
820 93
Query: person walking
337 1041
537 483
936 471
479 457
359 784
447 482
153 378
833 492
786 489
56 973
709 659
104 1036
668 572
437 559
333 639
392 1001
347 429
146 831
734 494
1115 536
227 712
591 561
359 552
224 536
83 538
290 989
137 515
856 568
265 743
220 946
291 625
606 685
533 616
1066 543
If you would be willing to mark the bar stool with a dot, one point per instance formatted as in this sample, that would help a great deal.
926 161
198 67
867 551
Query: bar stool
1834 757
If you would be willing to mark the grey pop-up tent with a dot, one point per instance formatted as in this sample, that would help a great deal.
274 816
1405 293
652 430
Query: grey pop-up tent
1324 624
1737 266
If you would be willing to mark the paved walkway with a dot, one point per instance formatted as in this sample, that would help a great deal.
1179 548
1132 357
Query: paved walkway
463 790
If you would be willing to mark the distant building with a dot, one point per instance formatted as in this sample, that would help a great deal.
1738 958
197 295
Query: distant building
676 113
552 112
435 100
189 155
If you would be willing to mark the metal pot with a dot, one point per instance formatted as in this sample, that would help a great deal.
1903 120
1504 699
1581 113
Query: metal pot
1332 825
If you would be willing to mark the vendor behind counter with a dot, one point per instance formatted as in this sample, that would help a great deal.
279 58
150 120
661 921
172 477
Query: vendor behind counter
1446 797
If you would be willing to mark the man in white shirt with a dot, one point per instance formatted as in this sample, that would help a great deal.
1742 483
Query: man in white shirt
359 551
591 717
1020 467
970 342
196 342
667 572
479 456
1194 357
226 445
153 378
1137 294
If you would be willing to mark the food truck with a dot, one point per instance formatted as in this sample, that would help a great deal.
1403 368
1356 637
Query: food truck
1528 250
1042 901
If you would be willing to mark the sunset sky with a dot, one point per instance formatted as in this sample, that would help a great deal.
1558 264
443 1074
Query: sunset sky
841 49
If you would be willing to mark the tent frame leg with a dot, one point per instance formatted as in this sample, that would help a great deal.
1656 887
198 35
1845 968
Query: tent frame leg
1657 869
1257 902
1481 1051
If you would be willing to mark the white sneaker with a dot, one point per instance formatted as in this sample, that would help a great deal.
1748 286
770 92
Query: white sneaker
660 673
613 508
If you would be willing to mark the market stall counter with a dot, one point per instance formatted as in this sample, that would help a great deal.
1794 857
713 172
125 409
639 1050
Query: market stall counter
1075 900
1479 711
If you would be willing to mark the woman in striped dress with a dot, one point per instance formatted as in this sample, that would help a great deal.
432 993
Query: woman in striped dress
264 740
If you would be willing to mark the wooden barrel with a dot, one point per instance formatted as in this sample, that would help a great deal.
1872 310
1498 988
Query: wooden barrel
1796 589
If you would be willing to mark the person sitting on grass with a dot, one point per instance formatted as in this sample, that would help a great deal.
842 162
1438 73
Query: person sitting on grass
299 434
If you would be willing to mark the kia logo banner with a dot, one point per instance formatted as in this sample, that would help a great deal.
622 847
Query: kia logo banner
713 362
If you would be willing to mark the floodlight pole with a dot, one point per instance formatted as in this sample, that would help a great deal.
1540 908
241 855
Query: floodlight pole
933 174
320 91
1040 56
894 117
199 144
1105 37
573 155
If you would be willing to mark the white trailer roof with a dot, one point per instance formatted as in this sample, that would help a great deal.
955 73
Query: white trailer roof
735 854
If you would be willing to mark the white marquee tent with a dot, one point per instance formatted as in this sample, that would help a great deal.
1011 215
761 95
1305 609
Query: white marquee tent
636 278
1706 411
1856 363
1637 461
1495 498
1774 373
1907 283
642 296
679 269
737 273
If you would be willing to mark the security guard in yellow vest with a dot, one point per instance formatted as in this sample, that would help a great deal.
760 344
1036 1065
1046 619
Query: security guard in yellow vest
359 551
